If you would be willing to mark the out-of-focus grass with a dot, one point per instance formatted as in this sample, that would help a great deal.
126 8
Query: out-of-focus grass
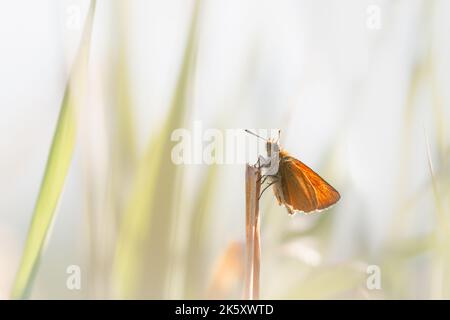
424 76
143 257
147 214
195 281
58 164
327 283
228 277
104 214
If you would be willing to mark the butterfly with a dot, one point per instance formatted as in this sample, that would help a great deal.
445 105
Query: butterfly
295 185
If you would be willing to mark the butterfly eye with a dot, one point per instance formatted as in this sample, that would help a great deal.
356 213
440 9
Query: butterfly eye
272 148
269 148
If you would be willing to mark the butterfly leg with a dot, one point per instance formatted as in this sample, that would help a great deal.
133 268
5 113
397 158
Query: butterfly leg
262 162
262 179
271 183
257 164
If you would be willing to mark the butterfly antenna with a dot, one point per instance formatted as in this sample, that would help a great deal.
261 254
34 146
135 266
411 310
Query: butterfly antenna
252 133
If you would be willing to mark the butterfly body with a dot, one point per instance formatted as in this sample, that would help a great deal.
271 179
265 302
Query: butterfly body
295 185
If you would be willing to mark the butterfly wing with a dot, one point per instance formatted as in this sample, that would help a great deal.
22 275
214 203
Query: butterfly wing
326 195
303 189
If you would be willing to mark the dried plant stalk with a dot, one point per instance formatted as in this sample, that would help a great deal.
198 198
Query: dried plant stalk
252 233
256 250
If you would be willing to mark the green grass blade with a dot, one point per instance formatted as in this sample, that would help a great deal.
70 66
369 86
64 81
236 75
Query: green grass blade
58 164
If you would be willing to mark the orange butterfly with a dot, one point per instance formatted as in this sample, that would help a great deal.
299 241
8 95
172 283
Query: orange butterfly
296 186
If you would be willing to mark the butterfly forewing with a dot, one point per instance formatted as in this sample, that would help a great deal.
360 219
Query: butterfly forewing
326 195
302 188
298 193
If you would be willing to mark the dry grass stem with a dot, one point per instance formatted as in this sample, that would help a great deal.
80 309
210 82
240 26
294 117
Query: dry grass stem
252 233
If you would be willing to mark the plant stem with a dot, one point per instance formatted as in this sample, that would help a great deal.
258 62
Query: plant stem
252 233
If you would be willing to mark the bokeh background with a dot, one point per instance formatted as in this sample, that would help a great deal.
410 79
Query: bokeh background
358 88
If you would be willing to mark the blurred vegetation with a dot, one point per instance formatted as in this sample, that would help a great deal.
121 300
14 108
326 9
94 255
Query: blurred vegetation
143 257
58 164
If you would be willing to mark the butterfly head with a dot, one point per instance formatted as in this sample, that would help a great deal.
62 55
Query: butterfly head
272 147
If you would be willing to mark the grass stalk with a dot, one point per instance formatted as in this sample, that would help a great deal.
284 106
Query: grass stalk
252 233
